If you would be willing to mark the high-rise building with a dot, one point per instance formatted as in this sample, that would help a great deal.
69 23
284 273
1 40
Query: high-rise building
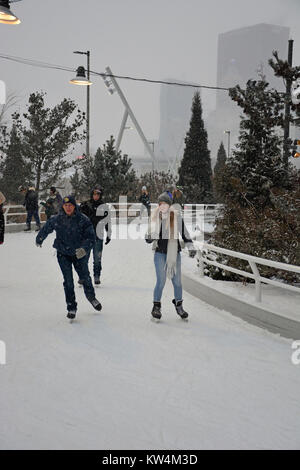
242 55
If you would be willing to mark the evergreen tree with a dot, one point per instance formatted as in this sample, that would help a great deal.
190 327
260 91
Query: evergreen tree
218 173
256 218
13 168
156 183
109 169
195 174
47 137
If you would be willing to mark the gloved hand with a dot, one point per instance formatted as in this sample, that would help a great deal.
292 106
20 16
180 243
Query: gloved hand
192 250
147 239
107 240
80 253
39 245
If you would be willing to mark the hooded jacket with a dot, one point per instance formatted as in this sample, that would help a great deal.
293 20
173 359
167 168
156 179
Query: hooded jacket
72 232
99 214
31 200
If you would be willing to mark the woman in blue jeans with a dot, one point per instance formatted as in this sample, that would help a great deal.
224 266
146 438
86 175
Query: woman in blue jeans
166 225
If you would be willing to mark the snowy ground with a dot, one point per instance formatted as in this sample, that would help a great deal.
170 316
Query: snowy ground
116 380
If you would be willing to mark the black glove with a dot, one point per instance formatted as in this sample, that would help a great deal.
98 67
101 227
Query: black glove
107 240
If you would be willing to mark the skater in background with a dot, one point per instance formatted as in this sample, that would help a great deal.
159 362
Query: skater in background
53 203
178 197
75 237
100 215
144 199
165 227
57 199
31 206
2 221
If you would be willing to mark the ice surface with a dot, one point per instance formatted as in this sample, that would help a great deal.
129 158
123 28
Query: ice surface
116 380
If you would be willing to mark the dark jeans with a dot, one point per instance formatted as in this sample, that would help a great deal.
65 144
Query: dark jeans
35 214
97 255
81 266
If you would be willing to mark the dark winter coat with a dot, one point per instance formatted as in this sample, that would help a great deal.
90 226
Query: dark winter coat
162 241
2 224
72 232
145 199
97 211
31 200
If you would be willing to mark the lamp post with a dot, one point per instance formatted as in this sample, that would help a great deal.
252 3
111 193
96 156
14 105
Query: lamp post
228 135
81 80
6 15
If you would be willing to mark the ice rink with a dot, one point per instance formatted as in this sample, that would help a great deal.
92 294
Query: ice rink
116 380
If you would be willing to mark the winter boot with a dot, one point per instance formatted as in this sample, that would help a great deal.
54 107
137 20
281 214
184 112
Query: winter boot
28 228
96 280
179 309
96 304
71 314
38 228
156 310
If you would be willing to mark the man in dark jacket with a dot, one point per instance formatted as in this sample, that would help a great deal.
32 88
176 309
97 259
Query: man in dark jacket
75 237
31 206
2 221
53 203
99 214
57 199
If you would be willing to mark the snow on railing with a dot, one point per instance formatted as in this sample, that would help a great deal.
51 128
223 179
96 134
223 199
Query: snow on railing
253 262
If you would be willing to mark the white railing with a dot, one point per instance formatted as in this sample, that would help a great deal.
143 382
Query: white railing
253 262
11 212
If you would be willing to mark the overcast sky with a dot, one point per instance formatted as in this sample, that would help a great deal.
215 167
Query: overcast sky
152 39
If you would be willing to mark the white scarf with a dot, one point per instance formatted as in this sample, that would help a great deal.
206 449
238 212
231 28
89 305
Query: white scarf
170 234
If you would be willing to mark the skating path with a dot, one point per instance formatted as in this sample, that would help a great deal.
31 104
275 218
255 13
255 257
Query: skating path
116 380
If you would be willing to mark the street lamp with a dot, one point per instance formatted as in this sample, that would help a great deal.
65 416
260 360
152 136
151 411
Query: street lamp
228 135
6 15
81 79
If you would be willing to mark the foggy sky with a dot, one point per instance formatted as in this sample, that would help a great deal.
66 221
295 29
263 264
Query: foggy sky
152 39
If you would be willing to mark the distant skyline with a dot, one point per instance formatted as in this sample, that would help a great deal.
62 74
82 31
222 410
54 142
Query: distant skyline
155 40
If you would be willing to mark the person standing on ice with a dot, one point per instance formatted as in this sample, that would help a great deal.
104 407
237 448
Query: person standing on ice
100 215
165 226
144 199
32 207
75 237
2 221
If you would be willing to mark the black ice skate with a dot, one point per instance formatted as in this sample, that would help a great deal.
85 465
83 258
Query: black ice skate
156 311
97 280
96 304
179 309
28 228
71 315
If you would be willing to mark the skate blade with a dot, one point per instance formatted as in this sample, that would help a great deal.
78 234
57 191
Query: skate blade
155 320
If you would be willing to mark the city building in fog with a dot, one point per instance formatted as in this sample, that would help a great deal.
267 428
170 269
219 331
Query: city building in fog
242 54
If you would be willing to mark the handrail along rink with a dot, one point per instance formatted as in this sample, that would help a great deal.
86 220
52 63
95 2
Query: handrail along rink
253 262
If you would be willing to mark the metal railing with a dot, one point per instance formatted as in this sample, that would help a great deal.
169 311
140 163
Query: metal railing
14 215
253 262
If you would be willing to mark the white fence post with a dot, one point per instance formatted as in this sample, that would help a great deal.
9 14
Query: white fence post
257 281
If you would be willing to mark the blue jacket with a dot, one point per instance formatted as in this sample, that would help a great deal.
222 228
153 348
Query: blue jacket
75 231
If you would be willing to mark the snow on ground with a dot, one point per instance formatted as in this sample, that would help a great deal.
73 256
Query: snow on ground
116 380
274 299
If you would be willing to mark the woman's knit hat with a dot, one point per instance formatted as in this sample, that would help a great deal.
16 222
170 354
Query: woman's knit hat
164 197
